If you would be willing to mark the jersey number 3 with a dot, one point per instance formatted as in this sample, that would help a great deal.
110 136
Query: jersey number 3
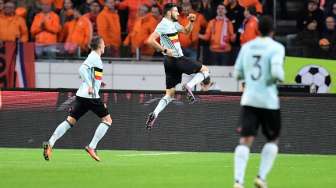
256 73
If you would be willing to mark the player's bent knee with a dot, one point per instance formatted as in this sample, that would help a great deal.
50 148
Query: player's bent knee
107 120
72 121
247 140
204 68
170 93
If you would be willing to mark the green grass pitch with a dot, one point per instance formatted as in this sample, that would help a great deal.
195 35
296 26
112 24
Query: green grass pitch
25 168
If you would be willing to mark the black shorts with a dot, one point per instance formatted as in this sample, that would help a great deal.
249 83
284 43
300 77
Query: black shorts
270 121
176 66
83 105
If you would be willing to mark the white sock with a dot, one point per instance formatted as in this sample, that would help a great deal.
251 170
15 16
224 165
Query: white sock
99 134
198 78
268 155
240 162
59 132
162 104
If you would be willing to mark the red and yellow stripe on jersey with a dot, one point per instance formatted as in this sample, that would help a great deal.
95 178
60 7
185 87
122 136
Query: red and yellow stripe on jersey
173 37
98 73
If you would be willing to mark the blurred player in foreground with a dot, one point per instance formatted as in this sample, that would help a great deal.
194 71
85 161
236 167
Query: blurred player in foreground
260 65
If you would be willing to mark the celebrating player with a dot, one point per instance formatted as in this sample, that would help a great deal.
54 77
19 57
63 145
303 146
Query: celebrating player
175 63
260 65
87 98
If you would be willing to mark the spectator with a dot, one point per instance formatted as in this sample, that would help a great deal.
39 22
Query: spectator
85 7
12 27
184 2
21 9
200 26
220 33
22 12
45 27
67 12
58 4
33 8
133 7
235 13
156 13
250 30
92 16
308 39
143 27
247 3
328 39
188 41
311 13
208 9
201 22
196 5
108 25
77 33
332 10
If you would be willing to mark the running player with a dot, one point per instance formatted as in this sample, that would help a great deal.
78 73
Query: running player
175 63
260 65
87 98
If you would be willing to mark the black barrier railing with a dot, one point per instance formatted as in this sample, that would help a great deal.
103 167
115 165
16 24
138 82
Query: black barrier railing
29 117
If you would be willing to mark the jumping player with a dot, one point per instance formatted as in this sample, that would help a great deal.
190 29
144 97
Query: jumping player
175 64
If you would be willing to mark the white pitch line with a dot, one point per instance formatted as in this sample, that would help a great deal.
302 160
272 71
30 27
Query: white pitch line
149 154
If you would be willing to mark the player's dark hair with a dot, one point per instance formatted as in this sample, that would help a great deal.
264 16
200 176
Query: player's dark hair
95 41
265 25
252 10
168 7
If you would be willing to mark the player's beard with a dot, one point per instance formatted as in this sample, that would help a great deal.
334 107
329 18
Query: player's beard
174 18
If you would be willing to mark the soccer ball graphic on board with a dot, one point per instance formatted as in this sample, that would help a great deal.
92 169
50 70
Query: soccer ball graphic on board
315 76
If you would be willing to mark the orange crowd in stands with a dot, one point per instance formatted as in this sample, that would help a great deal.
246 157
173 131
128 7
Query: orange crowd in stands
220 24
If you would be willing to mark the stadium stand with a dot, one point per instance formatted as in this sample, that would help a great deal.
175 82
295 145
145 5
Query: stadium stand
295 21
